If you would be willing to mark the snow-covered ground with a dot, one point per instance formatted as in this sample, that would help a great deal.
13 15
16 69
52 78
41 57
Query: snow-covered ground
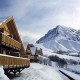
74 68
2 75
49 52
74 76
40 72
68 57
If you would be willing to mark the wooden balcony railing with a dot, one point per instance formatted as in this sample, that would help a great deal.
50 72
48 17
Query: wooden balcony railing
10 42
11 62
33 57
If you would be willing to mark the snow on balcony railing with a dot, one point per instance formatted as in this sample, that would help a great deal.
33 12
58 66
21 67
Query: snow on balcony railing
11 60
10 41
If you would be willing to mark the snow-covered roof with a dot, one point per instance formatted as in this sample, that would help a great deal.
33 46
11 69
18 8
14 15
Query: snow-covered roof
3 19
33 49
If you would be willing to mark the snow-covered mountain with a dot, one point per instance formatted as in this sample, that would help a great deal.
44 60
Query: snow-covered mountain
61 38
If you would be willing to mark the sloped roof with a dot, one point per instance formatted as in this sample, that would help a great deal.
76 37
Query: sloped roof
13 29
3 19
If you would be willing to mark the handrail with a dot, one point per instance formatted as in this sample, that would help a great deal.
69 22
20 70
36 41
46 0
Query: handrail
11 61
10 37
8 40
14 56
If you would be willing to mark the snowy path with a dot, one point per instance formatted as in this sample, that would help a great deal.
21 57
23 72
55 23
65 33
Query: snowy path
40 72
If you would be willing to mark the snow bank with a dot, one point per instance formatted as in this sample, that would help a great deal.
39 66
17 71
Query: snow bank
2 75
67 57
39 72
74 68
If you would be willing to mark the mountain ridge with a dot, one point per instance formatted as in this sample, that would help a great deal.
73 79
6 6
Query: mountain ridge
63 38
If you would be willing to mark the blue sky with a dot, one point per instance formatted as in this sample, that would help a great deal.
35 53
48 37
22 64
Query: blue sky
35 17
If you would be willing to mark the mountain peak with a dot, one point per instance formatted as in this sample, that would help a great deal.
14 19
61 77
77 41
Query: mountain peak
52 33
61 37
59 26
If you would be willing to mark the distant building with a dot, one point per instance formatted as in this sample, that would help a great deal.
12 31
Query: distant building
33 52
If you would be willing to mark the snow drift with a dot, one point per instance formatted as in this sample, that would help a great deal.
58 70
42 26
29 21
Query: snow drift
2 75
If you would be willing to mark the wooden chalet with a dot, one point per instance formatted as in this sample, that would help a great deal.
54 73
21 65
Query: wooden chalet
31 52
11 45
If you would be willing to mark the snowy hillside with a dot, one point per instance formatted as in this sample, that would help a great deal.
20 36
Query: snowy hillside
49 52
61 38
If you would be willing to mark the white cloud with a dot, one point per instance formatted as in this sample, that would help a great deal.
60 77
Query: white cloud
29 36
35 17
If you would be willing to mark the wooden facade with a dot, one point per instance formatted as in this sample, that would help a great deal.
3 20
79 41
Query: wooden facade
9 38
9 42
12 52
13 62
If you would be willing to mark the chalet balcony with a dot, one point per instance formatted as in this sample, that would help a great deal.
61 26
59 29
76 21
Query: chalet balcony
13 62
34 57
9 42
